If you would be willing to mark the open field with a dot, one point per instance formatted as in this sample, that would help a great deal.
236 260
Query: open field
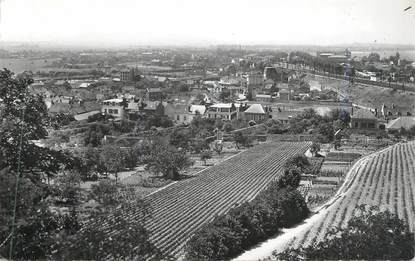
183 207
385 178
370 96
20 65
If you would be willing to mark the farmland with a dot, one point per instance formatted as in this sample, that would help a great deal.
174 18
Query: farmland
385 178
181 208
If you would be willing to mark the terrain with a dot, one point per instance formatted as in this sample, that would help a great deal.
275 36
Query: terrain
181 208
384 179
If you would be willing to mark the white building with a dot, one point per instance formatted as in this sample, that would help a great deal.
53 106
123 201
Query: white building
114 107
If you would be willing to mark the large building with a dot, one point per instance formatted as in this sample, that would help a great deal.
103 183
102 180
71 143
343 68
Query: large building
129 75
226 111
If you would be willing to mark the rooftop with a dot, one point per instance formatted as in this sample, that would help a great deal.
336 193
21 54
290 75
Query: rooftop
225 105
362 114
113 100
255 108
405 122
198 108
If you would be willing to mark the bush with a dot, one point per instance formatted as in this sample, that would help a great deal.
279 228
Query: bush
105 192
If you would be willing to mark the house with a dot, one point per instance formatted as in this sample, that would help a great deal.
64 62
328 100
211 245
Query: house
363 119
284 95
178 113
113 107
226 111
256 112
153 107
196 110
405 122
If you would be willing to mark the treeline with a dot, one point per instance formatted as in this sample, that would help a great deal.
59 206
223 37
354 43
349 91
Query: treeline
280 205
321 127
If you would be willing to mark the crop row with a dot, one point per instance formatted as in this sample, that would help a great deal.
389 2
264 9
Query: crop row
182 208
385 179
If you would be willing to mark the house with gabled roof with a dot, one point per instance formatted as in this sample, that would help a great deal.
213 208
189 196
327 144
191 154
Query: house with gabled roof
363 119
257 112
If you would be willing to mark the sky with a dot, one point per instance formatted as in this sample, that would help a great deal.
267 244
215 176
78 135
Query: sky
207 22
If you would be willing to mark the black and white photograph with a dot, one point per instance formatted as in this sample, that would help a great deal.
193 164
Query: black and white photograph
207 130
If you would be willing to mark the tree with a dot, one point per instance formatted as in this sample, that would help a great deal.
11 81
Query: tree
67 185
130 158
374 57
36 237
205 155
299 161
249 96
95 134
225 95
129 241
290 178
315 148
89 163
227 127
105 192
180 138
24 118
199 144
167 160
241 139
326 132
113 159
369 235
218 147
24 166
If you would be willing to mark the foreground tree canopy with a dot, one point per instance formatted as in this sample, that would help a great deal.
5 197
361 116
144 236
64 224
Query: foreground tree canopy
370 235
30 229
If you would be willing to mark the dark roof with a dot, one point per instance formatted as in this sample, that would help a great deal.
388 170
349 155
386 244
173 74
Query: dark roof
362 114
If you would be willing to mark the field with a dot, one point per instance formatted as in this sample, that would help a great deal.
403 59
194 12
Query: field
385 179
369 96
183 207
330 177
20 65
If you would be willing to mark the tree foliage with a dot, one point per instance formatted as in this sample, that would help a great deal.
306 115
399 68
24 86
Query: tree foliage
167 160
130 240
244 226
369 235
24 118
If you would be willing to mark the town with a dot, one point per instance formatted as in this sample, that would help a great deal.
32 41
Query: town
208 151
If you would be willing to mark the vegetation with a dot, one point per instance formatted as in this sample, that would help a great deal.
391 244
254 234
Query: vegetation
278 206
369 235
130 239
214 191
35 221
167 160
385 180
